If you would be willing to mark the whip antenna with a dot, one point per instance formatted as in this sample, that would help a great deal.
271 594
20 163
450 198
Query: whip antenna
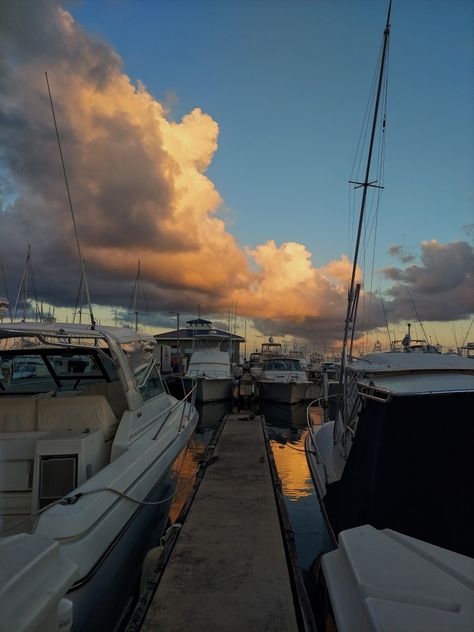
83 269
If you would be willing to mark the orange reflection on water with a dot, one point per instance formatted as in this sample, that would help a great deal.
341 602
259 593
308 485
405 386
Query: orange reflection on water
186 468
290 461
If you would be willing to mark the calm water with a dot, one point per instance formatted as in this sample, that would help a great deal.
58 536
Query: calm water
287 429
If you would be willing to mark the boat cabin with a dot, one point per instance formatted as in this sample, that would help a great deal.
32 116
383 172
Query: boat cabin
63 393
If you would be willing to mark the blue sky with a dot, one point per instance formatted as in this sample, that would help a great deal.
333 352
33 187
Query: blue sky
287 82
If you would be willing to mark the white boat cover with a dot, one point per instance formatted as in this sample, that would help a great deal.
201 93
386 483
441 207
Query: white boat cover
34 576
384 581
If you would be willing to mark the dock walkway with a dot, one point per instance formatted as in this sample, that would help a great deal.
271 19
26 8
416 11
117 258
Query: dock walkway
228 569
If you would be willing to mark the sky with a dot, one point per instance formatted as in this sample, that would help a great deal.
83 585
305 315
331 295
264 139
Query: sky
214 141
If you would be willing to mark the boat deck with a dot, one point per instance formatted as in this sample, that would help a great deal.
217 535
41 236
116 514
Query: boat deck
228 569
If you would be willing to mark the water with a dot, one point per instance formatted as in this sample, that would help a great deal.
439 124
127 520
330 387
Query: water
287 430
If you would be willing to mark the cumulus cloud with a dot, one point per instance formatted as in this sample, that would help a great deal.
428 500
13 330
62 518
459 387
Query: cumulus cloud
440 285
137 178
469 230
401 253
139 186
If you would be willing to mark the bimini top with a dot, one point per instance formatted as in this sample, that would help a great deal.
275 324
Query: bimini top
414 373
122 335
210 363
393 361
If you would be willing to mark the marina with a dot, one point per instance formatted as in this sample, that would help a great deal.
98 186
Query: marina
251 446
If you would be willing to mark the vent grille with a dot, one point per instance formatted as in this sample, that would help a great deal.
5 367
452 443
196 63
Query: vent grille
58 477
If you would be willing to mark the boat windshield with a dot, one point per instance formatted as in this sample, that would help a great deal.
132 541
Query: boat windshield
42 369
282 364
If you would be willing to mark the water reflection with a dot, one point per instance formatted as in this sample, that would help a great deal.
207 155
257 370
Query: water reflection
287 430
210 416
287 415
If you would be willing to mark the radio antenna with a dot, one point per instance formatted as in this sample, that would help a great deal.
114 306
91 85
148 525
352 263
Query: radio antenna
83 269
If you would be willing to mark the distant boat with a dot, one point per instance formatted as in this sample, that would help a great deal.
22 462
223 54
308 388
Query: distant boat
4 308
268 350
283 380
87 443
211 369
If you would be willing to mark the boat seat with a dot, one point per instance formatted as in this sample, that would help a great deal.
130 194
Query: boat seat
91 412
17 414
113 392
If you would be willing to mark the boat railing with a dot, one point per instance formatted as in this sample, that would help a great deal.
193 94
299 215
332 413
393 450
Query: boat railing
188 395
323 398
377 394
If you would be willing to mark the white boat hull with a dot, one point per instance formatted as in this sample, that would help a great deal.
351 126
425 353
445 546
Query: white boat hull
211 390
107 593
283 392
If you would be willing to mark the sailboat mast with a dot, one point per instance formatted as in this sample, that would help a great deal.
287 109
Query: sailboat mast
366 184
135 296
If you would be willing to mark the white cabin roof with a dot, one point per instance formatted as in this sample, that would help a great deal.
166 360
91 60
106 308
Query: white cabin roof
415 373
391 361
210 356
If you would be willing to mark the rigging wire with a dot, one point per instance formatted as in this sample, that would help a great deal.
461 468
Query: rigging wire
371 225
355 173
467 334
86 287
133 304
416 312
6 292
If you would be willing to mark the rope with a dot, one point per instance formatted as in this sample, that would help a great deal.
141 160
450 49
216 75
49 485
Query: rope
71 500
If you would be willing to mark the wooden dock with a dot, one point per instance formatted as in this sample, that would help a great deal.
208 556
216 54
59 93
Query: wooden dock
228 569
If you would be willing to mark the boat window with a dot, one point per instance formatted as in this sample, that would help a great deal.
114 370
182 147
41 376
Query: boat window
60 369
282 364
74 366
26 373
152 386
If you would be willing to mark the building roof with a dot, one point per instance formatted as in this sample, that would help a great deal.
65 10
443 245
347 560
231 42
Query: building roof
198 333
199 321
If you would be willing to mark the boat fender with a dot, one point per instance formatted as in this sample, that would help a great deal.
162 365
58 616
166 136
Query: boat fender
150 562
65 615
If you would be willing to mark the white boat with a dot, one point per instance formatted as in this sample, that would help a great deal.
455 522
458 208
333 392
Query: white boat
299 355
283 380
421 587
397 452
211 369
4 308
86 450
268 350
